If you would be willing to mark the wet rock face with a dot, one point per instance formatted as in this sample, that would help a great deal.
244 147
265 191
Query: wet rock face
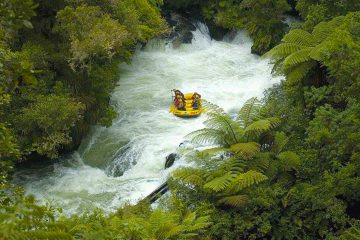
170 159
216 32
181 29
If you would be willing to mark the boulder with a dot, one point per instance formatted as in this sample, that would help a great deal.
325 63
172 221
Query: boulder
170 159
181 29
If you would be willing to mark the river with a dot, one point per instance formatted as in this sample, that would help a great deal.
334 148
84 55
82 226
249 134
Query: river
125 162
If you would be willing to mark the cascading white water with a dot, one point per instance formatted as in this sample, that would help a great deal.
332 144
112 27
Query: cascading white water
126 161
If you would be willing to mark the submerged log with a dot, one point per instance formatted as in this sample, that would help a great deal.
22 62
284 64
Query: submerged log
157 193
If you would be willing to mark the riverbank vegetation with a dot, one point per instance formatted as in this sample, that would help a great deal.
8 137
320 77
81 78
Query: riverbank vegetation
286 167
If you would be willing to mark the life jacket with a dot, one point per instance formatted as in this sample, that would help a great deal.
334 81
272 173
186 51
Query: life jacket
196 96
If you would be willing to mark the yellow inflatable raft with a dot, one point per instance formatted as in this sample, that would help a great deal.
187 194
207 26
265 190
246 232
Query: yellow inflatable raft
189 111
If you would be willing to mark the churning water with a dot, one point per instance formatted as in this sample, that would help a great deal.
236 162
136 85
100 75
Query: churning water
125 162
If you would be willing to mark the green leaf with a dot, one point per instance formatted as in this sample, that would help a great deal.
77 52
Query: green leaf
29 79
28 24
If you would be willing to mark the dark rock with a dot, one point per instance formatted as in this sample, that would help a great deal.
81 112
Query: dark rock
181 29
216 32
170 159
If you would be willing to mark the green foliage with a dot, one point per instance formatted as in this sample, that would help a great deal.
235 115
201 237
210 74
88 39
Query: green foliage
22 218
141 18
46 123
68 60
251 182
353 233
341 57
92 34
262 21
9 151
223 130
316 11
227 178
16 14
302 56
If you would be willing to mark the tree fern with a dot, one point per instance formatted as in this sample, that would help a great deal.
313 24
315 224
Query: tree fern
190 175
208 136
283 50
242 165
249 112
324 29
289 160
233 132
220 183
299 72
209 152
298 57
246 150
256 128
351 234
300 50
42 234
244 180
281 140
211 107
259 163
234 201
300 38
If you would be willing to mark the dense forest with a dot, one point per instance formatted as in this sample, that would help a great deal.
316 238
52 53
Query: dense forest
286 167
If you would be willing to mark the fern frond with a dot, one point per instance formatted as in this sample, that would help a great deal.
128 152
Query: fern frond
283 50
212 108
208 136
352 233
262 126
42 234
298 57
190 175
234 201
192 225
220 183
235 165
249 112
245 180
317 53
247 150
260 163
226 124
172 232
211 152
281 141
288 196
324 29
199 223
300 37
299 72
289 160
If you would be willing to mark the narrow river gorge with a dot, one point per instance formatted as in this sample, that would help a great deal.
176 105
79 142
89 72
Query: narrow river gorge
125 162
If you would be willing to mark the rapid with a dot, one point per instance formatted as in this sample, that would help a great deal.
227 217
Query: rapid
125 162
